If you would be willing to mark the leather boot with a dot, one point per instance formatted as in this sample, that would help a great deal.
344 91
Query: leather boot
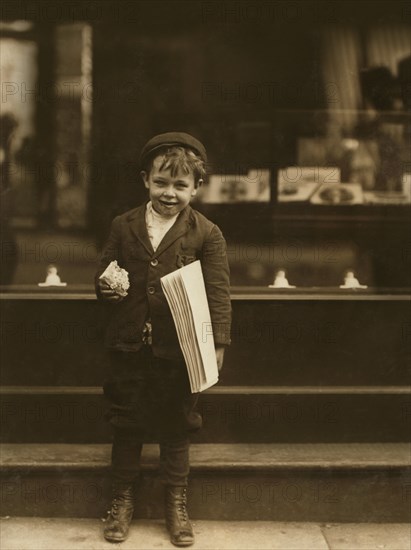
177 522
121 513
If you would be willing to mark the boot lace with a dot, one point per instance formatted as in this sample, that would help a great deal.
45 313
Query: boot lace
182 508
114 508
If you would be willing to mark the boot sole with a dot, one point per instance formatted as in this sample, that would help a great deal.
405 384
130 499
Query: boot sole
181 544
112 539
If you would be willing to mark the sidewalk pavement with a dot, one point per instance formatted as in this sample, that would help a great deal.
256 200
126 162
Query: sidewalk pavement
86 534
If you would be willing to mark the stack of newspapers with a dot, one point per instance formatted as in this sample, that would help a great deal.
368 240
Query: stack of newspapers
186 295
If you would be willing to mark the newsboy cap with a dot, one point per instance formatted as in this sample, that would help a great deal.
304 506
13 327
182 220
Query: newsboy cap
173 138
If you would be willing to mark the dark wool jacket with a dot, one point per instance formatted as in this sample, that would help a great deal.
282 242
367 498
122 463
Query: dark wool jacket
191 237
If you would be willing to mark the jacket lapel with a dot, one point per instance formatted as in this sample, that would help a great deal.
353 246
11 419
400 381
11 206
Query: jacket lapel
180 227
137 220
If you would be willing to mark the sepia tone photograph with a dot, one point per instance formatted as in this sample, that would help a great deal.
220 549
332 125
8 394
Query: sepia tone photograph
205 274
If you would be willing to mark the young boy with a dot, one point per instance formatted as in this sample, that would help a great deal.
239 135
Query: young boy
148 384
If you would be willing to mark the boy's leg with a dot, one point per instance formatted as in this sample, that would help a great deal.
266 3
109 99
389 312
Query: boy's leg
174 409
125 457
175 462
124 388
125 464
175 466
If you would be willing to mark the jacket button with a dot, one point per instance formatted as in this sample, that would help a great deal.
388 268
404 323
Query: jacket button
154 262
151 290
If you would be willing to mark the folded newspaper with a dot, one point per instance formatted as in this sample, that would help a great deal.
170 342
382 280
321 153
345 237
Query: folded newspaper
185 292
116 278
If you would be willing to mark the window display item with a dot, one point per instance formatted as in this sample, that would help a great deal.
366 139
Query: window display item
116 278
345 193
350 281
52 278
298 183
226 188
280 280
391 197
313 151
386 197
361 162
406 186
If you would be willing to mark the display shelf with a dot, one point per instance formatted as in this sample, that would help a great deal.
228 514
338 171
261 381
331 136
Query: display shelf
306 212
391 213
238 293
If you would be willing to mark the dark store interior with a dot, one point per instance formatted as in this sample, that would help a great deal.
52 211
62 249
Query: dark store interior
266 85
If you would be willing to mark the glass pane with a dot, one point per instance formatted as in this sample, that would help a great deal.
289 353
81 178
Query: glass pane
18 61
72 123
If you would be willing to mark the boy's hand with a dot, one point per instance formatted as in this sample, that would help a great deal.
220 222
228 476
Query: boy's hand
107 293
219 352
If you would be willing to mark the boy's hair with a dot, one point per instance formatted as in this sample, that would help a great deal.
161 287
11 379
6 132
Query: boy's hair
176 158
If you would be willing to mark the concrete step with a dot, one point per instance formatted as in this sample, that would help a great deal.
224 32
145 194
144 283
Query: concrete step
86 534
242 414
282 342
300 482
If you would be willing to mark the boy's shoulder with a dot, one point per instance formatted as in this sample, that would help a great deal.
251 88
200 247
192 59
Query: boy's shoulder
199 218
132 213
208 228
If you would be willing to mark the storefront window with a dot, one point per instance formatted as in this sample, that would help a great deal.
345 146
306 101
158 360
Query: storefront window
307 133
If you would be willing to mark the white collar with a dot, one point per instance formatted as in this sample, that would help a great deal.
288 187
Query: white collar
155 218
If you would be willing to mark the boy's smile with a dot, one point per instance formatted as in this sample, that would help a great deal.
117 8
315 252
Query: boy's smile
169 194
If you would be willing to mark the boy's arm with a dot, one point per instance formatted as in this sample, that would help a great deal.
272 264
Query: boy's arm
111 252
216 273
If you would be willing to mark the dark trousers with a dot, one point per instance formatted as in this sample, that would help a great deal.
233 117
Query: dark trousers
150 400
126 453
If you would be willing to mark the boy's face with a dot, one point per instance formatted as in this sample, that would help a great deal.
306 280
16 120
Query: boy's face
169 195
